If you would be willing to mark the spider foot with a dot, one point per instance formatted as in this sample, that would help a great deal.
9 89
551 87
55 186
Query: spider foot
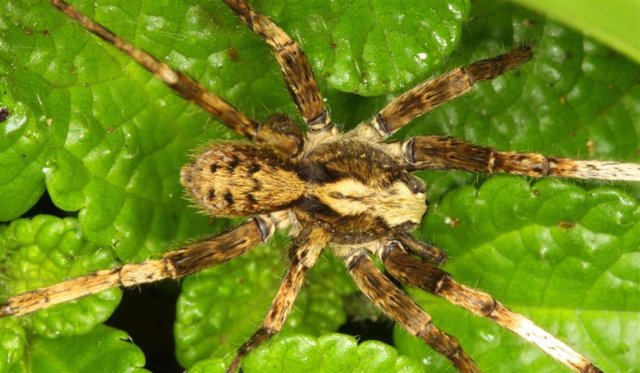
256 339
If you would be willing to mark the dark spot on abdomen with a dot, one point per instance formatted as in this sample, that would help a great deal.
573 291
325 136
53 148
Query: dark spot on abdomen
228 197
213 168
212 194
252 200
254 168
234 163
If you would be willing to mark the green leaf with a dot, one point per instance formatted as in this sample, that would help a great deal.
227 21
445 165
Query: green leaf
103 349
108 141
386 50
561 255
329 353
614 23
21 156
40 252
43 251
12 345
575 99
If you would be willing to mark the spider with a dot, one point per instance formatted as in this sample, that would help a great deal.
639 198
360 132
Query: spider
351 192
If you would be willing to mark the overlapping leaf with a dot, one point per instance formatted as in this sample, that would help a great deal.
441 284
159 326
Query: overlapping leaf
613 23
329 353
41 252
103 349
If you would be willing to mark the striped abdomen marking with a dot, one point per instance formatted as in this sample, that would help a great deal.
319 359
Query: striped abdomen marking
236 179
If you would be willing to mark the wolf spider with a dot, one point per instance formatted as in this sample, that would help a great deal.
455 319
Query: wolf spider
352 192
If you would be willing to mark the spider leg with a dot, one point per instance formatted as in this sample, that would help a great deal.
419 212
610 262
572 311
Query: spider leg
303 253
438 282
295 68
425 251
187 87
443 152
398 306
427 95
175 264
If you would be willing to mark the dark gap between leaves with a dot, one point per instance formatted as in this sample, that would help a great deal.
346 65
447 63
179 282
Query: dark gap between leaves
46 206
147 313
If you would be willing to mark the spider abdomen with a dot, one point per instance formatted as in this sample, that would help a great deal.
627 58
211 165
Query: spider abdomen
239 179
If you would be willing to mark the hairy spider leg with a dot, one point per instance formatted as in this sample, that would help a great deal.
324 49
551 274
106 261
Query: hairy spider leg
426 252
303 254
189 88
295 68
434 92
413 272
399 307
175 264
445 152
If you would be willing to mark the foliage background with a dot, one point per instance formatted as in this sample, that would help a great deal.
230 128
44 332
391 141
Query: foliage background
106 141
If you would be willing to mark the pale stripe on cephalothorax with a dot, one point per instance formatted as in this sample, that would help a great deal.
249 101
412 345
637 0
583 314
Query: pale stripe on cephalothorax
395 205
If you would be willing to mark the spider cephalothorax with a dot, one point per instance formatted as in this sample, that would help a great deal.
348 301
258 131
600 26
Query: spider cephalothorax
361 192
350 191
